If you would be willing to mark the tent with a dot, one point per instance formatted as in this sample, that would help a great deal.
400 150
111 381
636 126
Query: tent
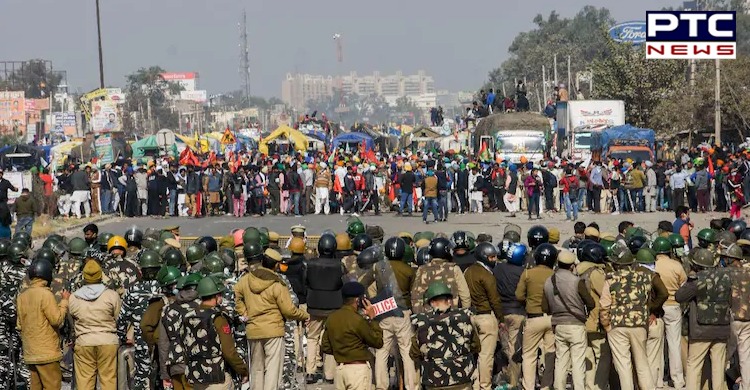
145 145
353 140
287 133
59 153
21 157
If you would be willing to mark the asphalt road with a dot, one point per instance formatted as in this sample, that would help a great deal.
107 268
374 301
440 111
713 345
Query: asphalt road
492 223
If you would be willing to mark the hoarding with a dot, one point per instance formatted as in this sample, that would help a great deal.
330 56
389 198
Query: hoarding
629 32
186 79
65 123
194 96
103 146
596 113
104 116
12 111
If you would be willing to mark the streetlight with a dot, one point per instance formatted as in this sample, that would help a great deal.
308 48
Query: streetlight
101 54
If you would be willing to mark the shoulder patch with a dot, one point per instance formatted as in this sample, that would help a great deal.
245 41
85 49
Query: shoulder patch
226 329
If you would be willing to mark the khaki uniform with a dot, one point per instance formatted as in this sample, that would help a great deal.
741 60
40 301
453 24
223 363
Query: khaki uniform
537 332
348 337
598 354
485 300
673 275
741 320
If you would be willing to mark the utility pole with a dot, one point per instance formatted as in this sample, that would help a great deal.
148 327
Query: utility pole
717 105
556 80
245 58
101 53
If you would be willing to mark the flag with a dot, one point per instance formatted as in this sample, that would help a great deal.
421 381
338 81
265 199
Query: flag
188 158
484 153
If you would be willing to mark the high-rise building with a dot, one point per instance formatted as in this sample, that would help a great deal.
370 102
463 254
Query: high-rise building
298 90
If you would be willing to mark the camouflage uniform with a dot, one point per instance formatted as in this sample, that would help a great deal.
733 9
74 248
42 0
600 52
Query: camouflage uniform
289 371
205 362
350 266
10 339
741 317
173 323
228 308
445 343
134 305
435 270
67 269
127 271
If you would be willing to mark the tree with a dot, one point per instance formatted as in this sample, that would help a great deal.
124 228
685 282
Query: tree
146 88
35 78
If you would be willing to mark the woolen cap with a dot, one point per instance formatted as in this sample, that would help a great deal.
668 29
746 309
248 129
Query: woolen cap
554 235
92 272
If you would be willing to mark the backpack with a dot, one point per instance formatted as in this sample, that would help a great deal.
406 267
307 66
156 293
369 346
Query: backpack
573 187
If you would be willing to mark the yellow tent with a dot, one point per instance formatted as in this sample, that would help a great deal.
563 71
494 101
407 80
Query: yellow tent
294 136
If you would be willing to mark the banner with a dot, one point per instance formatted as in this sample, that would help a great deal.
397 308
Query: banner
19 180
104 117
103 146
65 123
12 111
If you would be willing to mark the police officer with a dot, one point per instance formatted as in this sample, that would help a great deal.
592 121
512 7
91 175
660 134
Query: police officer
194 255
353 271
629 299
167 278
439 268
296 268
445 341
211 351
348 336
11 358
134 304
485 300
323 283
125 267
253 253
567 299
708 291
462 241
598 356
172 363
538 328
343 246
507 275
741 315
392 278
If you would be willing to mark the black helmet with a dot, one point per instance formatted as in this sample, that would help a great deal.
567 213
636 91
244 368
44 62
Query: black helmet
21 242
369 256
230 258
16 252
440 248
327 245
537 235
252 251
737 227
593 253
41 269
745 235
484 251
576 246
360 242
4 246
209 243
395 247
460 241
23 236
545 254
134 237
173 258
635 243
512 236
46 254
423 256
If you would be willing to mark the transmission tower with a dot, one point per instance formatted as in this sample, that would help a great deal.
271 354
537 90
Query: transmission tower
244 59
340 58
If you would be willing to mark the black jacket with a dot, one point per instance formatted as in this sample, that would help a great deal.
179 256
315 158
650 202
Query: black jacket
507 277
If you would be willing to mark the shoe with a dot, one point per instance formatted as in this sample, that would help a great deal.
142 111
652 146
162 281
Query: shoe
311 379
616 213
329 381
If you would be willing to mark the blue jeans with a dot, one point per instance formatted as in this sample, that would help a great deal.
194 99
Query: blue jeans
429 203
406 199
581 197
570 206
443 206
636 195
172 201
660 199
294 202
24 224
105 197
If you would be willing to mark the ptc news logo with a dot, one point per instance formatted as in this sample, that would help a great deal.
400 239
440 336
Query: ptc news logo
691 35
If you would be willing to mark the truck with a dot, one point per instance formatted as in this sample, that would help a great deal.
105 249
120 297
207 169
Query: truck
512 136
624 142
585 117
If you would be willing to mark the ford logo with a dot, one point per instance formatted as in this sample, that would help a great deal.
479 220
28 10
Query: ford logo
629 32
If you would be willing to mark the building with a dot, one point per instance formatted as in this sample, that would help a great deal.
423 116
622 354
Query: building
298 90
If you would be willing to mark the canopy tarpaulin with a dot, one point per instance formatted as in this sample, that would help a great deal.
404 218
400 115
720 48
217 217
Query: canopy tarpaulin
21 157
294 137
144 144
59 153
353 138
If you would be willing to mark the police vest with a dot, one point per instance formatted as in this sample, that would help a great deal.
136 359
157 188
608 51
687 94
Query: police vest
434 271
295 275
323 283
464 261
741 294
629 289
205 363
445 342
713 299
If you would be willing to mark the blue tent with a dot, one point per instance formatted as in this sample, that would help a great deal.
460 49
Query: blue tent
625 134
353 138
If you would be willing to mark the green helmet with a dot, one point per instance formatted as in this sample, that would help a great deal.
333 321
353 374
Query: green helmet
24 236
4 245
661 246
21 242
167 275
46 254
252 251
702 257
56 237
355 228
77 246
607 245
732 251
210 286
408 254
251 234
634 232
103 239
621 255
49 242
195 253
676 240
149 259
173 258
213 264
424 235
189 280
645 256
264 241
725 238
165 235
158 247
708 235
437 289
16 252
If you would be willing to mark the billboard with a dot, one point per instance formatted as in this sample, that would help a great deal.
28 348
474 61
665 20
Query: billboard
195 96
596 113
103 146
12 111
186 79
65 123
629 32
104 116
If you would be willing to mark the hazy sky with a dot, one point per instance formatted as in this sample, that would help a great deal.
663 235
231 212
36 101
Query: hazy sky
457 43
